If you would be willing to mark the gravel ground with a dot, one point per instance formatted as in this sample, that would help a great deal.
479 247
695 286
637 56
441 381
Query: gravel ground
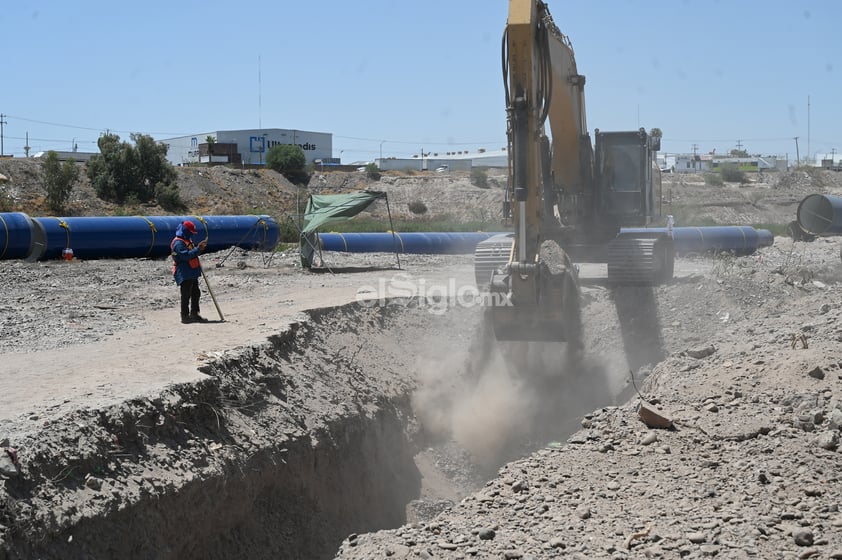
523 457
751 383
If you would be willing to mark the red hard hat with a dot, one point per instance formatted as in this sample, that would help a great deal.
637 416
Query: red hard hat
190 226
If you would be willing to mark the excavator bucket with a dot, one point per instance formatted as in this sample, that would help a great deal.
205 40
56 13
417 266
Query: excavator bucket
529 323
554 315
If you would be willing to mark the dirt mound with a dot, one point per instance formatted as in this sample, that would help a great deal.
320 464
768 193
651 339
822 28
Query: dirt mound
225 191
770 199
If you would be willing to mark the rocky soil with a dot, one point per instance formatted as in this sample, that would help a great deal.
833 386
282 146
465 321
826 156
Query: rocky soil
747 371
289 433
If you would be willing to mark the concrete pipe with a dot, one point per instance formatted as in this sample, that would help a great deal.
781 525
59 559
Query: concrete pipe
820 214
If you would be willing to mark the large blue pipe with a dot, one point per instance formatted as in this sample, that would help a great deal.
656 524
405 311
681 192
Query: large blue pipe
820 214
139 236
128 236
15 235
742 240
446 243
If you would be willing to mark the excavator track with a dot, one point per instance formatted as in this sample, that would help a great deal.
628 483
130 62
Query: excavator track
635 259
489 255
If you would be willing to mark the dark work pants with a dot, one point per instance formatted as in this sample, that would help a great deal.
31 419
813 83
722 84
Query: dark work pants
190 297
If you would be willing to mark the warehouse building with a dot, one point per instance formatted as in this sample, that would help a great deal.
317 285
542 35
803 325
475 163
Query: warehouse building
452 161
245 147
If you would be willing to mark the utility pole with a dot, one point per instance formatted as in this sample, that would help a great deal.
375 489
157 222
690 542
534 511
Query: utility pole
808 127
797 153
2 122
27 148
739 144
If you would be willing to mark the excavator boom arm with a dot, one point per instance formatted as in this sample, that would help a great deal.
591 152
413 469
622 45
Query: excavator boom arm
543 87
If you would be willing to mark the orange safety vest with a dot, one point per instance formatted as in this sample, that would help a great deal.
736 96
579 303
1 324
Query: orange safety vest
194 262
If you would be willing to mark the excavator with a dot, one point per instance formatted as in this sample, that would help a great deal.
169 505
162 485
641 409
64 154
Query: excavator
571 200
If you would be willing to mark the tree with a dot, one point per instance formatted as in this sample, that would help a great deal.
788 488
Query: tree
59 179
656 135
155 172
135 173
479 177
210 141
289 161
731 173
372 171
739 153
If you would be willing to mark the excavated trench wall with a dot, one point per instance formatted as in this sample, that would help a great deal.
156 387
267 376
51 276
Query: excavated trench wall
282 452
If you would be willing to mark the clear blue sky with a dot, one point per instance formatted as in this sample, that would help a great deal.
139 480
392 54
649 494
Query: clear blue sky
407 75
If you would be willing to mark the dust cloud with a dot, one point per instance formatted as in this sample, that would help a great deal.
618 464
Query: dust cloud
501 400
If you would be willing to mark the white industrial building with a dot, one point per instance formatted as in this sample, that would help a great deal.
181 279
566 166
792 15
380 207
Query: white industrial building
246 147
453 161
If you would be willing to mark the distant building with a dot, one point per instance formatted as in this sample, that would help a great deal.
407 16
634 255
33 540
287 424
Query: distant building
691 163
451 161
750 164
64 156
831 161
245 147
701 163
666 162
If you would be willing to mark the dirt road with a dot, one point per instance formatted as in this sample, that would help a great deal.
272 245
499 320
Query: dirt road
67 353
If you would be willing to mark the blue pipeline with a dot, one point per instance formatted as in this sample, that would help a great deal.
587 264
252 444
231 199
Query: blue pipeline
15 235
820 214
740 240
143 236
445 243
126 236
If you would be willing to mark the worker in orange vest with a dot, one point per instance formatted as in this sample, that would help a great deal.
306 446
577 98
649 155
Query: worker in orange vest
186 270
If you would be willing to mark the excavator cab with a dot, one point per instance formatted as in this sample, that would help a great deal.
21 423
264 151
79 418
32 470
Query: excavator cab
627 181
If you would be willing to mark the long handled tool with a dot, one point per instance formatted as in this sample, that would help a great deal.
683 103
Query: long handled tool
210 291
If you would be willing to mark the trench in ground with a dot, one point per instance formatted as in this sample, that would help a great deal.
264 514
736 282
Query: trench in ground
354 419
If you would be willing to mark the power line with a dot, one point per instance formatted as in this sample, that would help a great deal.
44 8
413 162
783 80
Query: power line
358 138
49 139
418 142
723 140
101 129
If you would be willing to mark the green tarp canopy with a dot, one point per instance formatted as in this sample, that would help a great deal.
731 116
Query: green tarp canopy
325 209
